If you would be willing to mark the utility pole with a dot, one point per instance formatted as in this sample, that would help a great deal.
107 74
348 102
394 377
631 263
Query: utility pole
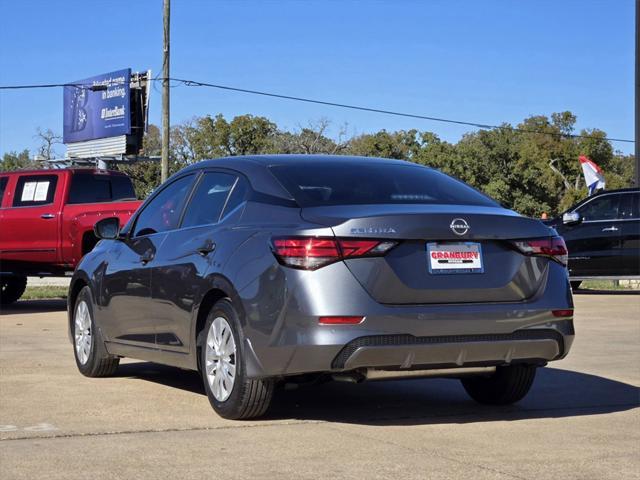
637 136
165 93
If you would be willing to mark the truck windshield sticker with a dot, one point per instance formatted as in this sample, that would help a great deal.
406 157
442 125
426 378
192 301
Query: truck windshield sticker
35 191
42 188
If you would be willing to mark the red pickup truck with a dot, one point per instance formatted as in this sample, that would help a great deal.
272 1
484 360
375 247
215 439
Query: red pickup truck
47 218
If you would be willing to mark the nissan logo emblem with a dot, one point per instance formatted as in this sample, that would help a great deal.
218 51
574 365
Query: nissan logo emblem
459 226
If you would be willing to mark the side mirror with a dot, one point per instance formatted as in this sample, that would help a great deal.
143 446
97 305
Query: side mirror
571 218
107 228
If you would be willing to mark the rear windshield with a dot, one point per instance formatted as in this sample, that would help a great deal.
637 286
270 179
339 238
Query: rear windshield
314 185
97 188
3 186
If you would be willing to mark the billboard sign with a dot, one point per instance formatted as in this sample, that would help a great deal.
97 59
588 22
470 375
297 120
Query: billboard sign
98 107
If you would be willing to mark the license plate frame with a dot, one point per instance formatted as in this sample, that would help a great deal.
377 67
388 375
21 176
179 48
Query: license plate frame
470 259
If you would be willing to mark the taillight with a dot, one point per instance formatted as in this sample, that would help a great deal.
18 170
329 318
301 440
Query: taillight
552 247
307 253
310 253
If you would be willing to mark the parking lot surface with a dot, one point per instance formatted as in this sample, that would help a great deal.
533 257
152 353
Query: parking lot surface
580 421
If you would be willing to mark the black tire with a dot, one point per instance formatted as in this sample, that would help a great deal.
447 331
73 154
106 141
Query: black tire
249 398
99 362
11 288
575 284
89 241
507 385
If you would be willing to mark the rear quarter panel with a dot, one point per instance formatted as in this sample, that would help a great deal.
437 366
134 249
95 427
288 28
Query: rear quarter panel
78 219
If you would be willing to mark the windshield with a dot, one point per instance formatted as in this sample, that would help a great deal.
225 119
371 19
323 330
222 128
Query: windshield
348 183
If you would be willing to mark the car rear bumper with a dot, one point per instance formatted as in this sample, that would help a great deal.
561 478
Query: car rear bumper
407 337
406 352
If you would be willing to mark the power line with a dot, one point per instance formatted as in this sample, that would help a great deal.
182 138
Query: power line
93 88
195 83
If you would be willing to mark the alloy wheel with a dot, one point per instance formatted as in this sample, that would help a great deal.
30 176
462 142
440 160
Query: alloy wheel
220 359
83 332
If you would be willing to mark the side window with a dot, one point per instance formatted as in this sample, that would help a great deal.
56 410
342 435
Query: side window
3 187
88 188
629 206
34 190
92 188
238 195
602 208
164 210
122 188
209 199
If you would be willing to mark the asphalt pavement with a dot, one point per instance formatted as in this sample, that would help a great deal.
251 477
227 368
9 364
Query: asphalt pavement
580 421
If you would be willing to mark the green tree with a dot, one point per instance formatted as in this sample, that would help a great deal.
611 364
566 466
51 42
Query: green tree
620 171
400 145
152 142
213 137
16 161
312 139
532 171
146 175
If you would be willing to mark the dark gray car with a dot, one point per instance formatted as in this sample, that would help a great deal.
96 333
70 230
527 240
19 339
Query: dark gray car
263 269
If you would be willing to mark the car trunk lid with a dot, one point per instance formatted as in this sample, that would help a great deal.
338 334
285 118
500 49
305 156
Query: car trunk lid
403 276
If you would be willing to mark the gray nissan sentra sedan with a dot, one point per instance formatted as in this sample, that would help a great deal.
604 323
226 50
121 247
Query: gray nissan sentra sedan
265 269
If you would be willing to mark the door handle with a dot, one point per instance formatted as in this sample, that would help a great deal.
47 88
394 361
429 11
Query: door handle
207 248
610 229
146 257
48 216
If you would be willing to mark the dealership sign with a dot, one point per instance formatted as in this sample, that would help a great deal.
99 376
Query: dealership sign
98 107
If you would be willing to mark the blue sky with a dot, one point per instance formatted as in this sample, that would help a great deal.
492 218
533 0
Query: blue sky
482 61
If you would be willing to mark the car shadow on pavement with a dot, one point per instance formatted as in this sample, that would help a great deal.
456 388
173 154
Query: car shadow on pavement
556 394
588 291
34 306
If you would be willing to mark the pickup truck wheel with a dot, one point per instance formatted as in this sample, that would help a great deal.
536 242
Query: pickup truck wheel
91 356
89 240
231 394
507 385
11 288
